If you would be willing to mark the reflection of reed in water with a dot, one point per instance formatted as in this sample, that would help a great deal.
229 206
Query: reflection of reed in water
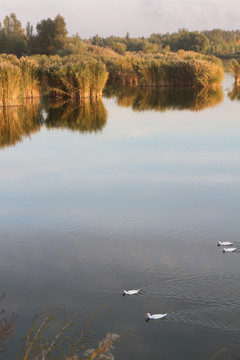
235 93
89 115
18 122
162 99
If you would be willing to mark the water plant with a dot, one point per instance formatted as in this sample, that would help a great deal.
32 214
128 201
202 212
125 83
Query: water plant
29 81
6 327
170 70
18 80
221 355
234 94
75 77
10 84
235 68
54 334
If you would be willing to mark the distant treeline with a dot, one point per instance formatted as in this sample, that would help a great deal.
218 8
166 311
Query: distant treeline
51 38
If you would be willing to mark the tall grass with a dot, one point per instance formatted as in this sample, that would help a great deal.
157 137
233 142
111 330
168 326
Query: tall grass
234 94
29 83
18 80
10 84
75 77
235 68
53 334
171 70
121 69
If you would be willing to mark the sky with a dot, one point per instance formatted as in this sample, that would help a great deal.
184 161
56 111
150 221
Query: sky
138 17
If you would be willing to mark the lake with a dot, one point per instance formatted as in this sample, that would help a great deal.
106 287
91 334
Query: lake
131 191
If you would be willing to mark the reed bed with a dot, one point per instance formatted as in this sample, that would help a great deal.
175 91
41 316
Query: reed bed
121 69
10 84
75 77
235 68
171 70
30 83
234 94
18 80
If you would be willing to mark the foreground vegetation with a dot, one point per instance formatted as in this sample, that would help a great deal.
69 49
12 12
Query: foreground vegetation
235 68
74 77
234 94
18 80
175 69
77 77
53 334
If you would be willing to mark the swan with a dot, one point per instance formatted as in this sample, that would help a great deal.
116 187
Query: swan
229 249
155 316
224 243
130 292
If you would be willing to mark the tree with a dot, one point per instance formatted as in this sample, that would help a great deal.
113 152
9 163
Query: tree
75 45
119 47
51 36
45 37
12 25
29 31
60 32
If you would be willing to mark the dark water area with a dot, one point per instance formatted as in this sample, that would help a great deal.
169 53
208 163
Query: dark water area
131 191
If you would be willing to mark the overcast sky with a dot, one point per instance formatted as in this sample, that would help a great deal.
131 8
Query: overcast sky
138 17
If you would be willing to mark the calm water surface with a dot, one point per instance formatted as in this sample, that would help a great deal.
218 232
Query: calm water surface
131 192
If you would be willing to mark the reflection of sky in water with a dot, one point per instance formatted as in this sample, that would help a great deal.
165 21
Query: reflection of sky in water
140 204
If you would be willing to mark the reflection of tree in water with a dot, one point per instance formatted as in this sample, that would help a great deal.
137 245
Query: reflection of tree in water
162 99
86 116
235 93
17 122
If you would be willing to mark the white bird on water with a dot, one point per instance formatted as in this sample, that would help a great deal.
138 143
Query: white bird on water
224 243
155 316
229 249
131 292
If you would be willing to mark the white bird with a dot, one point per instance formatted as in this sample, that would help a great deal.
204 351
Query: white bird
224 243
130 292
155 316
229 249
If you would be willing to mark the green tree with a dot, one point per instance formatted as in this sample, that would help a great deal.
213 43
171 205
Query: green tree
45 37
12 25
51 36
60 37
119 47
75 45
